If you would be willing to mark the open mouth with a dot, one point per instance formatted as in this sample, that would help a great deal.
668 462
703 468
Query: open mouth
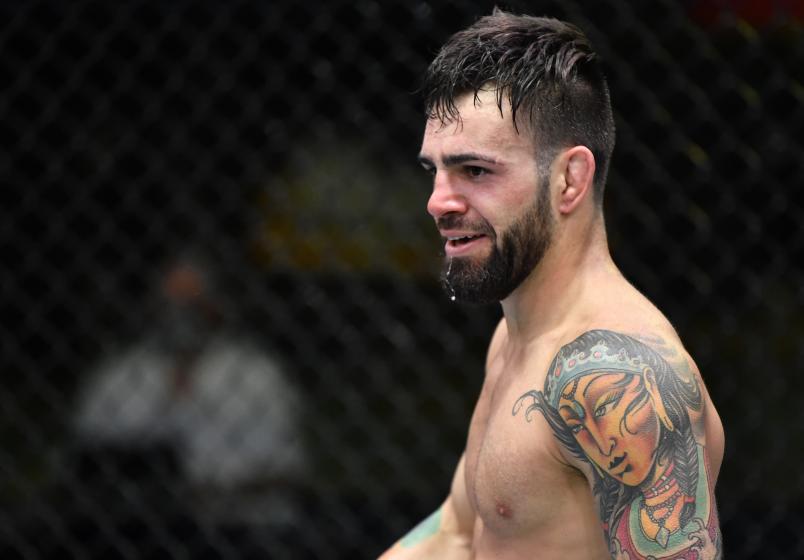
464 240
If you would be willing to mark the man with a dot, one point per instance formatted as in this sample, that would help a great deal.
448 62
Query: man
593 436
195 388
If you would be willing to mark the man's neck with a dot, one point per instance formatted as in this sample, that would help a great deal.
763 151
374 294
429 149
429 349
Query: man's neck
555 293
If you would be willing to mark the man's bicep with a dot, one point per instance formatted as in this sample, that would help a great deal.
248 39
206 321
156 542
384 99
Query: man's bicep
631 421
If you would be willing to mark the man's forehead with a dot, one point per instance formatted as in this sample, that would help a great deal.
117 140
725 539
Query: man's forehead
481 107
479 121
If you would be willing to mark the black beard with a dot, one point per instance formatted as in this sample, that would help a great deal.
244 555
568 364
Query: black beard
520 249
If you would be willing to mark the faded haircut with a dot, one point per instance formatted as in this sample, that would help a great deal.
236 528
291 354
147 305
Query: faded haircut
546 70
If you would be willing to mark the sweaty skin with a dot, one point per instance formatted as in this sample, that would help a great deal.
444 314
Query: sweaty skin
546 469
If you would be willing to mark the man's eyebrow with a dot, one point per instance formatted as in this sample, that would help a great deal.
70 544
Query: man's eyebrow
457 159
425 161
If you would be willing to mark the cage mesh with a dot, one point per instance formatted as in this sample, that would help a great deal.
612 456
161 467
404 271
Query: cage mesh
250 166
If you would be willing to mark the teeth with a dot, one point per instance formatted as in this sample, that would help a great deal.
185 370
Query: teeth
463 237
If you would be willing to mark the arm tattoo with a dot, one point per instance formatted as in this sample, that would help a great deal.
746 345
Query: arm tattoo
617 405
423 530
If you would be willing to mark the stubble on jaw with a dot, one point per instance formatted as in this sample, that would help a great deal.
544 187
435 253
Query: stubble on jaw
516 253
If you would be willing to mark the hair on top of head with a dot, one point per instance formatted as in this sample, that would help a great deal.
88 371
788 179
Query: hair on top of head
545 69
515 53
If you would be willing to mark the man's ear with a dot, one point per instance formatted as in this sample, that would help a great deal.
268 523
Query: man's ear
577 165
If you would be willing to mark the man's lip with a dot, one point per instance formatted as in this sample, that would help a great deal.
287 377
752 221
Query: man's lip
452 234
453 250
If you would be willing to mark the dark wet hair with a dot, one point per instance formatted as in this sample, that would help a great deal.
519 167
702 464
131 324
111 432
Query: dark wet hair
545 68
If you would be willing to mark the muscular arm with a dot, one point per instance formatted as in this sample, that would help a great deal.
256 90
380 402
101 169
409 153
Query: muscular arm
446 534
637 427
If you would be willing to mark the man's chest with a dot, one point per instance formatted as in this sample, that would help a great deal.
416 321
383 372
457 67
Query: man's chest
514 475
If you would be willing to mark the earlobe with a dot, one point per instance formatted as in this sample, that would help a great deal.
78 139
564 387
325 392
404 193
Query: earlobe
579 171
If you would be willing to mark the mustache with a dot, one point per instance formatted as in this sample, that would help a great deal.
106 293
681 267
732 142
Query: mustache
454 221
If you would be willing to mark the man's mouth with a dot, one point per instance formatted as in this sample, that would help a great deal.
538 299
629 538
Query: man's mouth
463 240
459 245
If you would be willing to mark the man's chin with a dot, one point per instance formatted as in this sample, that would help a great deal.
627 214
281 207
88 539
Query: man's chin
475 263
470 288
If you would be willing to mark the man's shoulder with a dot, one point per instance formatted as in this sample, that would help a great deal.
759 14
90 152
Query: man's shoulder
498 337
656 339
626 312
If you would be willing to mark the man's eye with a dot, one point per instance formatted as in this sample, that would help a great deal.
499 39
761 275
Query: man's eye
475 171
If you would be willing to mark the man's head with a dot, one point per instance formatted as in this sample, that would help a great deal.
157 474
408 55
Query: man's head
547 72
504 98
189 307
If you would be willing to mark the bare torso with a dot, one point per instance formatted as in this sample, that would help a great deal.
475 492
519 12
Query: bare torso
526 499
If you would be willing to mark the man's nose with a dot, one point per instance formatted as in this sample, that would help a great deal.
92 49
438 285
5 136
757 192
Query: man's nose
446 198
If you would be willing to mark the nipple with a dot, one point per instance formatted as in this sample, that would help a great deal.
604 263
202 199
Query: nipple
503 511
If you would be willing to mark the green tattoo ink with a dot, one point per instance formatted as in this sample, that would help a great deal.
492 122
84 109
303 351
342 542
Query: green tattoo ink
423 530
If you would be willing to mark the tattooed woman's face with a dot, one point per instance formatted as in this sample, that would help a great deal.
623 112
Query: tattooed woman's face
614 422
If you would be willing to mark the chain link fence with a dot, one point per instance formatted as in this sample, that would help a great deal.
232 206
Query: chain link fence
223 335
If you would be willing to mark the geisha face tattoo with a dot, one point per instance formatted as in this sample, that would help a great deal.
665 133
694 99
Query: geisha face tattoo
616 405
623 445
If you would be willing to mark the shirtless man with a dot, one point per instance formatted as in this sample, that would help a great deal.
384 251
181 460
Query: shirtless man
593 436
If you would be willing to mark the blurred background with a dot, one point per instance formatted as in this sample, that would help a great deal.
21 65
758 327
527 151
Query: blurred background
223 334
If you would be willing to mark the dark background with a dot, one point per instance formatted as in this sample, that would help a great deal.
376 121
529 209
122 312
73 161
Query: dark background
280 137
